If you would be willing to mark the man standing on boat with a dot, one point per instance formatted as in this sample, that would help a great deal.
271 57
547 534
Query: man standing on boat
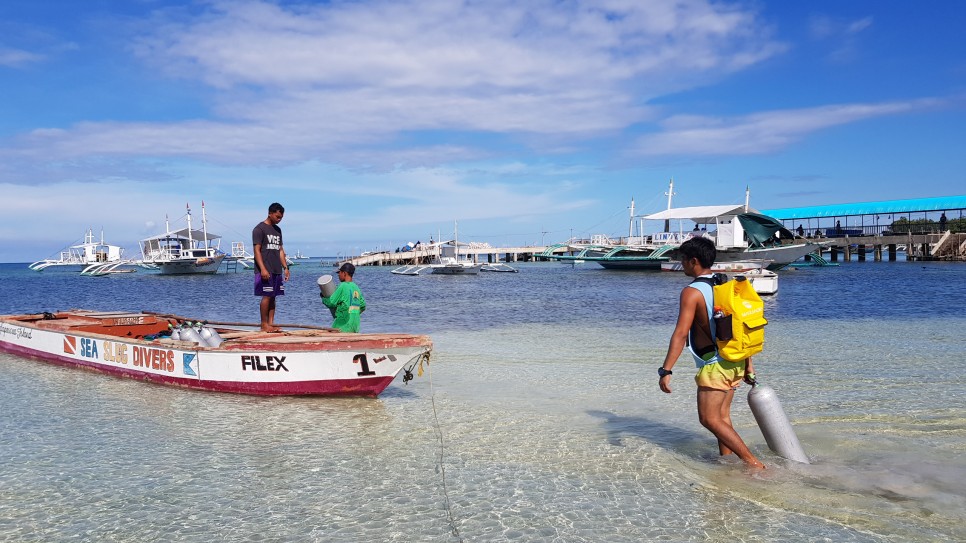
270 264
717 379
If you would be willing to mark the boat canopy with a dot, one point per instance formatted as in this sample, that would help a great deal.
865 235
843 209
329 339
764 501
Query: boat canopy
698 214
761 229
196 235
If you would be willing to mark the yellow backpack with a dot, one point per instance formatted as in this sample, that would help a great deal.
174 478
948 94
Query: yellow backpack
739 317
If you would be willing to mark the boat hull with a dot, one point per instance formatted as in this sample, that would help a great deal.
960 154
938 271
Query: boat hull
456 269
779 256
305 362
190 265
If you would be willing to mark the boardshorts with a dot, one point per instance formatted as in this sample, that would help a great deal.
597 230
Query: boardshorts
275 286
721 375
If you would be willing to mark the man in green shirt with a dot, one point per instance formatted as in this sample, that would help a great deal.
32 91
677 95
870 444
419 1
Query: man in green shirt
346 302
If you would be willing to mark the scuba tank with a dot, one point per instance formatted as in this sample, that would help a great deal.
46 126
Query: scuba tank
774 424
175 332
211 336
188 333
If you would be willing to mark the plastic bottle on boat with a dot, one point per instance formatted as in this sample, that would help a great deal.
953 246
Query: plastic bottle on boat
211 336
188 333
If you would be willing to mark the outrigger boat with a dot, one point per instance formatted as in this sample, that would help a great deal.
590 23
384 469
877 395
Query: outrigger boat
184 251
84 255
308 361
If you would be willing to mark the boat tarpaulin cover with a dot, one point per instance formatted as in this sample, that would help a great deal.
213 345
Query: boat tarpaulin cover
698 214
762 228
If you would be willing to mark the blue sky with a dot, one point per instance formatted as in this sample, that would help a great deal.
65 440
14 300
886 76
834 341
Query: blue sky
376 123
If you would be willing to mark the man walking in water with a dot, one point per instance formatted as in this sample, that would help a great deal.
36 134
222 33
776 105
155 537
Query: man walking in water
717 378
270 264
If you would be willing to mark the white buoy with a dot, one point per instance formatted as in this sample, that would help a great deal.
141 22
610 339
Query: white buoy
774 424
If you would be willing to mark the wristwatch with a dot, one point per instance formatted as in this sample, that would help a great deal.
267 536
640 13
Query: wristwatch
661 372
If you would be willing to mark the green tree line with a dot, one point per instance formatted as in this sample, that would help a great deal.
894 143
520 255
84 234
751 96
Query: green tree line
917 226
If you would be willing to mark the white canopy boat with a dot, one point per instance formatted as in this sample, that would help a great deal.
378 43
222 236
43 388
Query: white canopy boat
739 233
83 255
449 262
184 251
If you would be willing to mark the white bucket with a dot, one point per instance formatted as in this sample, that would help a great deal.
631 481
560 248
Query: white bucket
326 285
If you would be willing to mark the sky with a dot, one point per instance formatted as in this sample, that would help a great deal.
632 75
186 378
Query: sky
377 123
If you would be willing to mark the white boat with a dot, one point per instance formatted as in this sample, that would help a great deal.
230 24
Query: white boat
736 266
184 251
446 262
764 281
138 345
85 254
449 262
739 233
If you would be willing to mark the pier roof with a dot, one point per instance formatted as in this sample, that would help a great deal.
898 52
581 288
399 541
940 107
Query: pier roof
888 207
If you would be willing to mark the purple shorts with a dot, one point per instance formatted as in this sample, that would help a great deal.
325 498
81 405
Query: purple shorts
273 287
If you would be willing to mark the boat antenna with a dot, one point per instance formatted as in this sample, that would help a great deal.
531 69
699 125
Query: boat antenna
191 241
204 226
670 192
747 197
630 228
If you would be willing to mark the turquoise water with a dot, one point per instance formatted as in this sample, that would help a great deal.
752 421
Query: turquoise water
539 418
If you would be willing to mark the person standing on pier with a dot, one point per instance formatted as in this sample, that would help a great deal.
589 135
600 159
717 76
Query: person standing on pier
942 222
270 265
347 301
717 379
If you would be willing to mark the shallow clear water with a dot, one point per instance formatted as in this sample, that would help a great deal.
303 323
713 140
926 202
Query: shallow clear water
538 419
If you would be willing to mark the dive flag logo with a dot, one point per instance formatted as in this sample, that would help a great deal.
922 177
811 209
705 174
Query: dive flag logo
70 344
188 359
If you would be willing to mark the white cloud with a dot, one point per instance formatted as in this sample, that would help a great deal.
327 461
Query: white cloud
761 132
347 82
15 58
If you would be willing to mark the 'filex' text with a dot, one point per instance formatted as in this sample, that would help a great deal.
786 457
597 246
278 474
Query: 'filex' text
254 362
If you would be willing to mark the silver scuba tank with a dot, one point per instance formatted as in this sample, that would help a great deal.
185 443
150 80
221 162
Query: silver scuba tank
211 336
188 333
175 332
774 424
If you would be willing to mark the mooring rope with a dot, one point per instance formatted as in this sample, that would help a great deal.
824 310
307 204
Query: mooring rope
442 466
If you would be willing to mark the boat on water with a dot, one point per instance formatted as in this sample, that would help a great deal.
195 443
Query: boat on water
449 262
736 266
446 262
764 281
183 251
82 255
739 233
306 361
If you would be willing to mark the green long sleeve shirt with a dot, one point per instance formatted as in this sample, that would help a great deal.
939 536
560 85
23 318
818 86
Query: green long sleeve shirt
348 305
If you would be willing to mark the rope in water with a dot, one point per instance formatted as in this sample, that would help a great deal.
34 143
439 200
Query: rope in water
442 466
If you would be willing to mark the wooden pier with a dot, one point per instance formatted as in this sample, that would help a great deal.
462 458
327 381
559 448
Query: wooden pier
426 254
938 246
